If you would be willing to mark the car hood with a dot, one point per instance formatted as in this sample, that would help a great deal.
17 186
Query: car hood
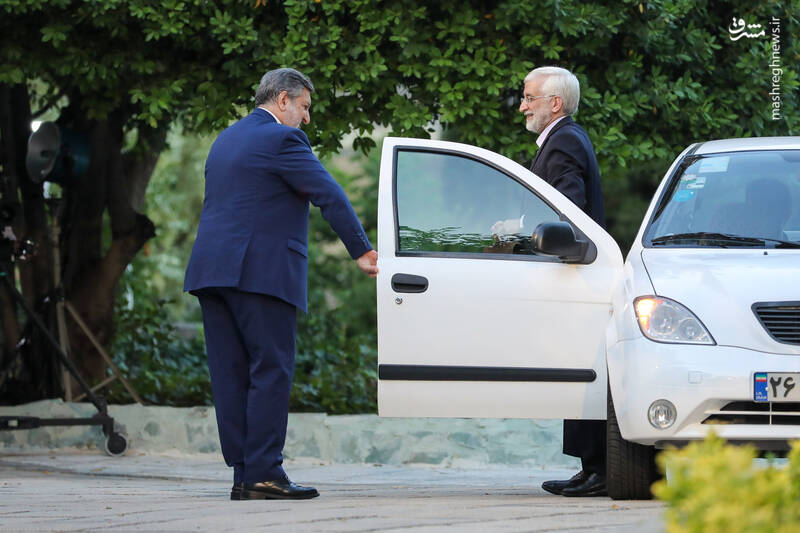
720 287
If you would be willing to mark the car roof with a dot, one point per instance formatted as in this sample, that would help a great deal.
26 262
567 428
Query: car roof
752 143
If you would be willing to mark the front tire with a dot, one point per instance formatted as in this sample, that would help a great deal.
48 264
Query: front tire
631 468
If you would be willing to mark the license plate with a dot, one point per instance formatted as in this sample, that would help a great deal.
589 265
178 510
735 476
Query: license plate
776 386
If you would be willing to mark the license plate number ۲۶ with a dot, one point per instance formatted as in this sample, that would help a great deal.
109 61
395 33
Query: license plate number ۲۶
776 386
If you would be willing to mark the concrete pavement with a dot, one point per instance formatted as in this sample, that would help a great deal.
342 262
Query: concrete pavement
80 490
374 474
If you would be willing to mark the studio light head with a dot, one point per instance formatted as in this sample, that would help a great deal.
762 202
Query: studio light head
56 154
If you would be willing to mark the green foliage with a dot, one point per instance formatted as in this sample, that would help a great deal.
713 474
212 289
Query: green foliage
655 76
174 200
336 364
335 367
163 368
715 488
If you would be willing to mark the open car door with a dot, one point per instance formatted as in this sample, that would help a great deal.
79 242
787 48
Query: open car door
472 320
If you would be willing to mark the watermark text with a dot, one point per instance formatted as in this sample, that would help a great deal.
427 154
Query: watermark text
775 68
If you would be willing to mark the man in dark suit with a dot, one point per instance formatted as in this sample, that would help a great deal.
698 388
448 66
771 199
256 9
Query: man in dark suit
248 269
566 160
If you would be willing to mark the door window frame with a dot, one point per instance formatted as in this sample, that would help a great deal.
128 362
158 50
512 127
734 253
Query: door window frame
470 255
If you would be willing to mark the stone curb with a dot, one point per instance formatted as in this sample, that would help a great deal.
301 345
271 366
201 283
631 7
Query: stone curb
343 439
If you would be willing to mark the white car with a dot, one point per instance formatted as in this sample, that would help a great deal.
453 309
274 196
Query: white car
698 329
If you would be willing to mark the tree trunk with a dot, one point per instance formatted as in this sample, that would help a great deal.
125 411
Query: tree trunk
33 363
109 195
8 190
93 268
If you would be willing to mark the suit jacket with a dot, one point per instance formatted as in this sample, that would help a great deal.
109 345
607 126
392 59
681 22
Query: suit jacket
253 231
566 161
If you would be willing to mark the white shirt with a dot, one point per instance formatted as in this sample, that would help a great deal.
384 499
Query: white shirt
539 142
542 136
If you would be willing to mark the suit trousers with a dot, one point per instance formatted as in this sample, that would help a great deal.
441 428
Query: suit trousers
250 342
587 439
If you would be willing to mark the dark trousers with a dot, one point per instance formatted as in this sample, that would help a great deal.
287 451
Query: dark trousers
587 439
250 341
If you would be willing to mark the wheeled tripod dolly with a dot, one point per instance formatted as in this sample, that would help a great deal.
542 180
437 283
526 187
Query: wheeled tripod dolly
115 443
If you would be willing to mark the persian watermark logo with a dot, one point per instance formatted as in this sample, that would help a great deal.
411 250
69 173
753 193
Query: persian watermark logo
739 29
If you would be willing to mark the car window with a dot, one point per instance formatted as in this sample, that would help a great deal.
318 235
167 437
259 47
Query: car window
450 203
754 195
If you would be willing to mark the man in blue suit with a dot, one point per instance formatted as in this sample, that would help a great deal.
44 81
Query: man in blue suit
248 269
566 160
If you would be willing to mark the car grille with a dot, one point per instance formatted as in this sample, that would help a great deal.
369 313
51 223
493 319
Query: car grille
781 320
774 413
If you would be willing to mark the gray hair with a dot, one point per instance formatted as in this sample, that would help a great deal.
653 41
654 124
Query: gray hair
560 82
276 81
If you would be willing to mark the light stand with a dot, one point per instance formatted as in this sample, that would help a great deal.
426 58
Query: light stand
56 154
115 443
63 337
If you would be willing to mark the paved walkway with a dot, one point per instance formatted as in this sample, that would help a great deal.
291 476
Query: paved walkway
68 490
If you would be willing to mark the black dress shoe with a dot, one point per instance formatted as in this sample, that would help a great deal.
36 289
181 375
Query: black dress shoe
595 485
556 486
236 491
278 489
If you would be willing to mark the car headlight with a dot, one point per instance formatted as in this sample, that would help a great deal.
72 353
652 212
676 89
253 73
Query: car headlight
665 320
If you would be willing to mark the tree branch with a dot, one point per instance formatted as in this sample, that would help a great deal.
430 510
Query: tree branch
50 103
139 168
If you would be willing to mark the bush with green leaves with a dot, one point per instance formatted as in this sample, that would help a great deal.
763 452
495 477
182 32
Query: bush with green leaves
335 369
714 487
163 367
335 372
336 363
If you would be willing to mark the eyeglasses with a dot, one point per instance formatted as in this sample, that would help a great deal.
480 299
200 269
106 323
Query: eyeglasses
531 99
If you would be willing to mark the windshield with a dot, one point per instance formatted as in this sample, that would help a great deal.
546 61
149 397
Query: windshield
739 199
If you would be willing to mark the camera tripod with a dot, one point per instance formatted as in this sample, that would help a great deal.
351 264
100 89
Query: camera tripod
115 443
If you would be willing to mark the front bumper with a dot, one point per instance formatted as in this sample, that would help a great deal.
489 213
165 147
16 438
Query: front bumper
699 381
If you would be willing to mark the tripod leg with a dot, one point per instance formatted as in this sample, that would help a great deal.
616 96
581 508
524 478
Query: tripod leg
114 369
63 336
63 339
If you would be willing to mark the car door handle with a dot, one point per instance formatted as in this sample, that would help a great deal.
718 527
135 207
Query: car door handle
409 283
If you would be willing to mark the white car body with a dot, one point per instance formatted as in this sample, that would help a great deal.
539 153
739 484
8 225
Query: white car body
520 336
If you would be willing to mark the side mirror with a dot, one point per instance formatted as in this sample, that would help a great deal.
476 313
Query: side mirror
558 239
